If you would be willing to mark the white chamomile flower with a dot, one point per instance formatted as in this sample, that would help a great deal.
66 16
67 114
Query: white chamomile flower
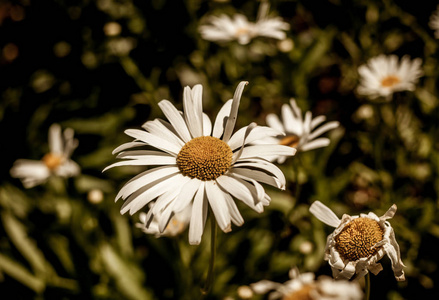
225 29
305 286
359 242
176 225
193 162
56 162
434 22
300 133
384 75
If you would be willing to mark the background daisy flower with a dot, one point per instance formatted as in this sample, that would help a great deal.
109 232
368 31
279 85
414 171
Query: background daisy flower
195 162
434 22
224 28
359 242
56 162
305 286
384 75
299 133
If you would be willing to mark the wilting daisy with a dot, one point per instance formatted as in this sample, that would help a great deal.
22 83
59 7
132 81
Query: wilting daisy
195 162
224 28
383 75
176 225
299 133
434 22
305 286
56 162
359 242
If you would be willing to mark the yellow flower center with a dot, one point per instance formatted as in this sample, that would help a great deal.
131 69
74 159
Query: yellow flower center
241 31
290 140
358 237
390 81
52 161
205 158
302 294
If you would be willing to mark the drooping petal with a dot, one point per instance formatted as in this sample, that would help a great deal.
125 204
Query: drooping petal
231 120
324 214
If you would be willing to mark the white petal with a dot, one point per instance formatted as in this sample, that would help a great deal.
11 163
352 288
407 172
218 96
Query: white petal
237 154
233 209
186 194
164 130
317 121
390 213
231 120
153 140
274 122
127 146
324 214
175 118
322 129
263 151
318 143
248 174
145 160
207 125
193 111
198 217
260 132
55 139
218 205
263 165
221 119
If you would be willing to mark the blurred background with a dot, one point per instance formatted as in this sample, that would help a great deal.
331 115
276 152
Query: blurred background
101 67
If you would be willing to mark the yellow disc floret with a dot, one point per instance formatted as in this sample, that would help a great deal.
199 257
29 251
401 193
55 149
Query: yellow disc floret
357 239
205 158
52 161
390 81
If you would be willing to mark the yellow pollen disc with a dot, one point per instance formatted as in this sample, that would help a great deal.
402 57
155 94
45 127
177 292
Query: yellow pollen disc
390 81
52 161
205 158
302 294
290 140
358 237
241 31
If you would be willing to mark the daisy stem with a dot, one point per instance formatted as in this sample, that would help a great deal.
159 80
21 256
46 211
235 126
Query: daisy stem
209 279
367 287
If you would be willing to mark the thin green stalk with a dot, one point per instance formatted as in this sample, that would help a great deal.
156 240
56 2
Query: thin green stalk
367 286
209 279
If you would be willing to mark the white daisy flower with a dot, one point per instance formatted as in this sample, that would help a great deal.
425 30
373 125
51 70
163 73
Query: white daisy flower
359 242
225 29
56 162
299 133
434 22
384 75
176 225
304 286
195 162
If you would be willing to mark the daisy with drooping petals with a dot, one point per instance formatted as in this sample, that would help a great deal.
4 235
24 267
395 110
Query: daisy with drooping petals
359 242
384 75
195 162
434 22
299 133
226 29
56 162
176 225
304 286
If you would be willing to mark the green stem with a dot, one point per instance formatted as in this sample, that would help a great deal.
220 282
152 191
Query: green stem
367 286
209 279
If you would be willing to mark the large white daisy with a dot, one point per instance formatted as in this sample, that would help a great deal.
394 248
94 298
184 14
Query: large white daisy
305 286
384 75
195 162
434 22
224 28
56 162
359 242
300 133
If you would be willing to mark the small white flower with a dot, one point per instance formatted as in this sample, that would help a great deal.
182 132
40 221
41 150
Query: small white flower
196 163
176 225
299 133
359 242
224 28
434 22
304 286
56 162
384 75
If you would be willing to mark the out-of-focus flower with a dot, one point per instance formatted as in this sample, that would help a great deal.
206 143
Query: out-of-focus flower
200 164
56 162
359 242
245 292
434 22
224 28
299 133
384 75
176 225
95 196
305 286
